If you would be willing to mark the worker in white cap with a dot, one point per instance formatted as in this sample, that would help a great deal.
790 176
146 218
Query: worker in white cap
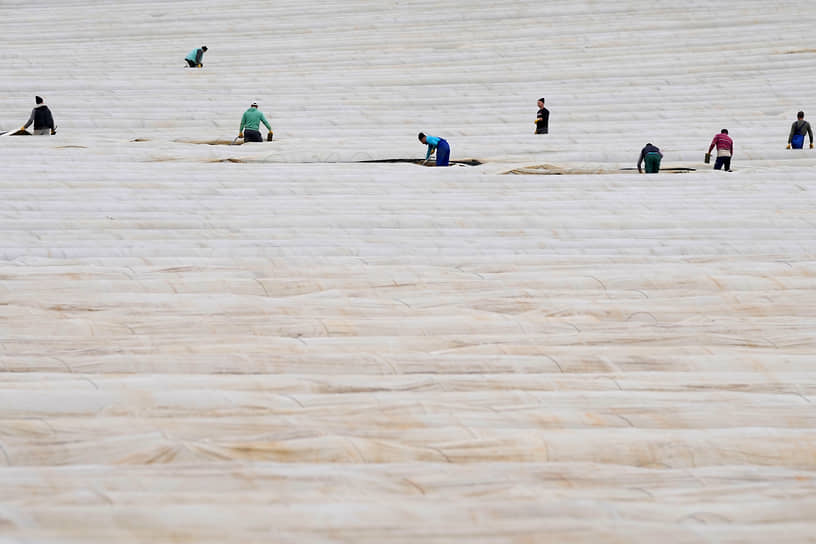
250 125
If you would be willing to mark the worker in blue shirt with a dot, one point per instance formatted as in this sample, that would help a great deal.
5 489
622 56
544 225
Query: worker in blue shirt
440 145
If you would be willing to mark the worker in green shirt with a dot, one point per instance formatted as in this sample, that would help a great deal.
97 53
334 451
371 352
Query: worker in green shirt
250 123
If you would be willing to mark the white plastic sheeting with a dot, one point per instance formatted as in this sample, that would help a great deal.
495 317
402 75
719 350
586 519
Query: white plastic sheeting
249 344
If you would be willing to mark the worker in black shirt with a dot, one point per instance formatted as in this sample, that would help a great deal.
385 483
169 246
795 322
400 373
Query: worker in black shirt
42 119
542 121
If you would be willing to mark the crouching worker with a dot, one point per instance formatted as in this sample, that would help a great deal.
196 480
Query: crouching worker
42 119
651 155
251 122
440 145
196 56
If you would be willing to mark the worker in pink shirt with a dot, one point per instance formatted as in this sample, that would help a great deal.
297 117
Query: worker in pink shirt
725 150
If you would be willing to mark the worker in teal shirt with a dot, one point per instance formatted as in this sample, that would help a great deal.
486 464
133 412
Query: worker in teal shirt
196 56
250 125
440 145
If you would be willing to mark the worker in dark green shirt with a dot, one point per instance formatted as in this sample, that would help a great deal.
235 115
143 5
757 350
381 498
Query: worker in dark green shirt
250 125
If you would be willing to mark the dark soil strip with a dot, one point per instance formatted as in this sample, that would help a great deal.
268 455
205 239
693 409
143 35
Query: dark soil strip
668 170
552 170
465 162
237 141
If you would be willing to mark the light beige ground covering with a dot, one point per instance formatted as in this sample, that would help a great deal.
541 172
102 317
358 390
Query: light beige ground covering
279 349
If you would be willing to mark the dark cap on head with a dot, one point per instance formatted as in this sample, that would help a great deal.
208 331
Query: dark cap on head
800 115
541 100
203 47
724 131
420 136
38 99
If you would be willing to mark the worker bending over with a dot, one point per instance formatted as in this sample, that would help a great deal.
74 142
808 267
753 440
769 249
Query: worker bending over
196 56
250 125
440 145
651 155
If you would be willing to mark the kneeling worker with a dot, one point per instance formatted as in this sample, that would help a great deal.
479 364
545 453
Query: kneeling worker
42 119
196 56
440 145
251 122
651 155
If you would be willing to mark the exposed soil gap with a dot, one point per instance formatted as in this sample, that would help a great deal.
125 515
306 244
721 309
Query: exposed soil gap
463 162
237 141
551 170
675 170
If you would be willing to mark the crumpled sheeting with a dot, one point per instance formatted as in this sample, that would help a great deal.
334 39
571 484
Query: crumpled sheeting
276 343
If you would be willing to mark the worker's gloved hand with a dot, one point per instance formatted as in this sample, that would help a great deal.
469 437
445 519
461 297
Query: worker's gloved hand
788 147
22 128
269 136
240 134
199 66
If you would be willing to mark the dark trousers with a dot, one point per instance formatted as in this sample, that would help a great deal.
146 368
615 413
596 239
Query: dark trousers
442 153
251 135
191 63
723 161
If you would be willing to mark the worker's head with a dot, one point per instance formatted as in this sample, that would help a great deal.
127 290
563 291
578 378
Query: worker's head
421 137
203 47
540 102
254 105
38 99
724 131
800 115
